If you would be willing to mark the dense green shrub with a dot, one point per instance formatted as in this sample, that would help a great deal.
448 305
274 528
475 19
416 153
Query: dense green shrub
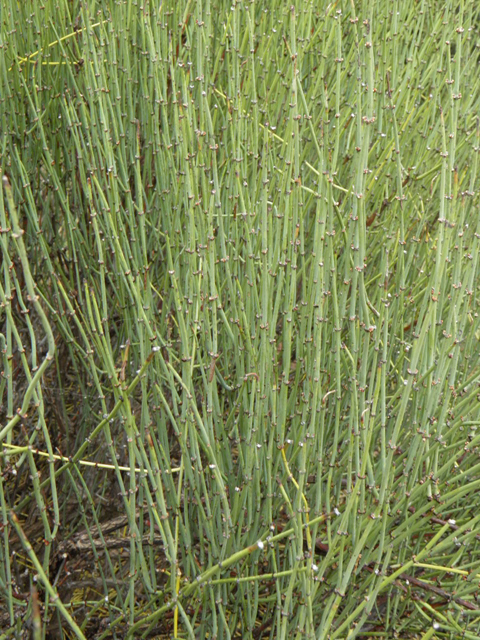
239 319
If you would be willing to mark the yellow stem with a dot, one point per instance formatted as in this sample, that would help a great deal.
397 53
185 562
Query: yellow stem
307 508
88 463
